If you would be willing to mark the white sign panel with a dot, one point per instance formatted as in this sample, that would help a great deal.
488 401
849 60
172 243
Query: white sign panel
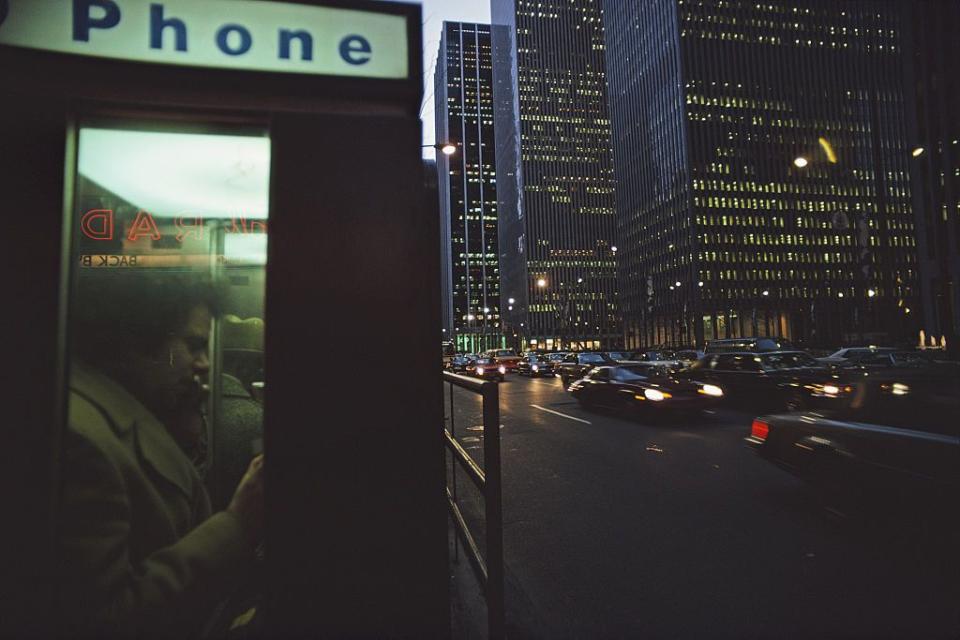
250 35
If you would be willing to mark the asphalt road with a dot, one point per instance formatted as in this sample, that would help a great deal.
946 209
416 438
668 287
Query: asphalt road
614 528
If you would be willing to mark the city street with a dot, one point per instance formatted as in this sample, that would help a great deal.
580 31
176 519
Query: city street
614 528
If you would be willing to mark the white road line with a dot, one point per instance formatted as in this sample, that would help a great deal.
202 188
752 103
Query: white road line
557 413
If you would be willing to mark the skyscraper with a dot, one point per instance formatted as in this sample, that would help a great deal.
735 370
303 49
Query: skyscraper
555 182
463 97
763 161
933 51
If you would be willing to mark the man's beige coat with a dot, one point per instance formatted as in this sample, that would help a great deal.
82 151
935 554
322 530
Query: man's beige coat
139 552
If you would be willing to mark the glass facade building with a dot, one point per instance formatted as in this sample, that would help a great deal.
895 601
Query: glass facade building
931 72
763 158
463 97
555 186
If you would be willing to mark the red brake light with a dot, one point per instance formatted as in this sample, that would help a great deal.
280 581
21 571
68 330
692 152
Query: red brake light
759 429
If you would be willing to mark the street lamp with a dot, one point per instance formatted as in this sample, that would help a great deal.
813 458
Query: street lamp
800 162
446 148
541 283
916 153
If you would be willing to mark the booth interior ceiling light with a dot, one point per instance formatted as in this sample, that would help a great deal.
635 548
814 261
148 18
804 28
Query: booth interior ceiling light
180 174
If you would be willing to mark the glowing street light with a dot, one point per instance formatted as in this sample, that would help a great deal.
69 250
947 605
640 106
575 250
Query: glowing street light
765 292
541 283
700 284
446 148
511 301
916 153
801 162
677 284
840 295
871 293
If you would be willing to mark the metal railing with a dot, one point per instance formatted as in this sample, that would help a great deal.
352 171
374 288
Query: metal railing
488 567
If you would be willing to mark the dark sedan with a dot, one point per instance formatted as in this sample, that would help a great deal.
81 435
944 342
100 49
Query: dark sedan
889 438
643 389
759 379
534 365
576 365
463 363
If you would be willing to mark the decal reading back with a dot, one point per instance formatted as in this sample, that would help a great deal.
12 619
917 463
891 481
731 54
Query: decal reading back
248 35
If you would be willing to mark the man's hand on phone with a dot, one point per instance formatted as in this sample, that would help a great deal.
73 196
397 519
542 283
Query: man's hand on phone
247 501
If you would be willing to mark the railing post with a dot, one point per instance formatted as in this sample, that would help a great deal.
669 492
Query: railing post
494 510
453 470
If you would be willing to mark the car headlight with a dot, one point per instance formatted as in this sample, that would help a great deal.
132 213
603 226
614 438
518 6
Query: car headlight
535 368
656 395
828 390
711 390
479 371
502 369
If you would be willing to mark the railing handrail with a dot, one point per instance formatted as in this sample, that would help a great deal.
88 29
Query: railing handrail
489 569
477 386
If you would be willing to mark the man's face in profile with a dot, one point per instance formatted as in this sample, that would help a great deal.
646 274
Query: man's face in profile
174 379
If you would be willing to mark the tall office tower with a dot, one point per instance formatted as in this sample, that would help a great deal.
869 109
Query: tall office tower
555 187
463 97
763 167
932 72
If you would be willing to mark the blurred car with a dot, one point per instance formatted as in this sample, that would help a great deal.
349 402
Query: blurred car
885 359
759 379
507 357
462 363
752 345
676 357
619 356
687 356
535 365
576 365
556 357
488 369
847 354
643 389
888 438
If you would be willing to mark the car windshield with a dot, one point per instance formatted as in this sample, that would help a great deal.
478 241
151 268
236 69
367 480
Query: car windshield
635 372
591 358
618 355
484 361
788 361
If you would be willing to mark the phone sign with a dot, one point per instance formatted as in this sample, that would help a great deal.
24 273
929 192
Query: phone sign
251 35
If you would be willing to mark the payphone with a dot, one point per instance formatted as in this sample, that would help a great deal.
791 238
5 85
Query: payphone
274 149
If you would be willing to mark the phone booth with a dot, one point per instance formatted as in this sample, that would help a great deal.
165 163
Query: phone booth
270 151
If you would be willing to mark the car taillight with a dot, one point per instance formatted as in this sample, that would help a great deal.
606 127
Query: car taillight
759 429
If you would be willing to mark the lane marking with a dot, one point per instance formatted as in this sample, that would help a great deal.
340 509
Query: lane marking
562 415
